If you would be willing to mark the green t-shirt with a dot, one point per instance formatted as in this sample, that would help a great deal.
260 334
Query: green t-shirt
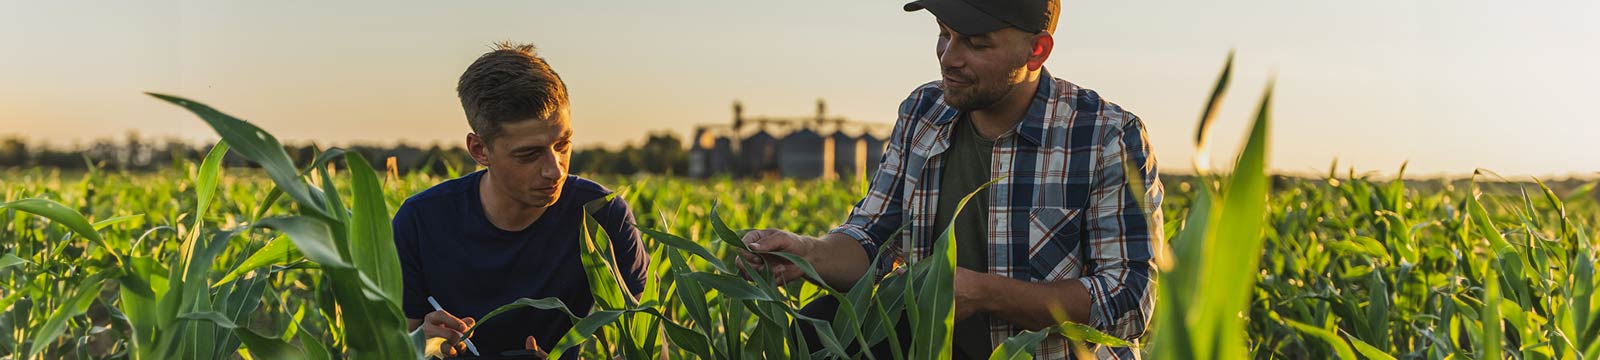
967 165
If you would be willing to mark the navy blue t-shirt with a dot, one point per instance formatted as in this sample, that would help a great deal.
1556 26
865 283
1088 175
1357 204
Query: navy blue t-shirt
449 250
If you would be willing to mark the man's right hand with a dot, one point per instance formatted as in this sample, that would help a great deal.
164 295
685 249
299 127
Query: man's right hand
839 259
773 240
440 324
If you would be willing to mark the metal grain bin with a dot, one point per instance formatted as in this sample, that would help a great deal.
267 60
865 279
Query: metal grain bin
702 149
845 165
800 155
874 152
722 159
758 154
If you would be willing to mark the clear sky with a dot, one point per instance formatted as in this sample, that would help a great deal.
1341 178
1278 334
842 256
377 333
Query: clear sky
1449 85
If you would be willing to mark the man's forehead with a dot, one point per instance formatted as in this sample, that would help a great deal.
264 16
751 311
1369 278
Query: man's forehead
535 132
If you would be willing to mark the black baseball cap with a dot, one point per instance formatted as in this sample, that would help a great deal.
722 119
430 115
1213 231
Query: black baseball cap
974 17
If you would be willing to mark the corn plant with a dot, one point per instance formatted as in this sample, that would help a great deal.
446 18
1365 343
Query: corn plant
296 261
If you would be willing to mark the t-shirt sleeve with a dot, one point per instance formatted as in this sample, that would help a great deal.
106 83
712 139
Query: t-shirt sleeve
407 230
632 260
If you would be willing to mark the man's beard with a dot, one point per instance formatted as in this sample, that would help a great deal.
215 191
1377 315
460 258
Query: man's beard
980 95
976 97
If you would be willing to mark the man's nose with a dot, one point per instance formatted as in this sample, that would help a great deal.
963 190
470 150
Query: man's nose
950 57
551 166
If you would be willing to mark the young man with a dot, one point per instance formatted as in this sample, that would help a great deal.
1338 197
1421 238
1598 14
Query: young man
1069 229
512 230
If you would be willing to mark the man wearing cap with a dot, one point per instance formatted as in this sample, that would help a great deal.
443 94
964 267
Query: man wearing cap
1069 230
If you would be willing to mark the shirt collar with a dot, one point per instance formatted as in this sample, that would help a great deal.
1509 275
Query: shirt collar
1031 128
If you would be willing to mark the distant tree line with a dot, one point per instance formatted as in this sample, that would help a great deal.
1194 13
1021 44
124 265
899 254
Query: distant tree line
661 153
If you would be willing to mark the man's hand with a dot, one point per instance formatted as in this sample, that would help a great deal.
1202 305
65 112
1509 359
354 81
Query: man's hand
772 240
533 345
440 324
970 294
838 258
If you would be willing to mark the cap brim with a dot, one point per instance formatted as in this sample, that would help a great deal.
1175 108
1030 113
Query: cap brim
959 16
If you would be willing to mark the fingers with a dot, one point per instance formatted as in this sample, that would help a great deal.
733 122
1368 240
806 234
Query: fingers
442 325
533 344
450 336
771 241
467 324
449 351
754 237
753 240
443 319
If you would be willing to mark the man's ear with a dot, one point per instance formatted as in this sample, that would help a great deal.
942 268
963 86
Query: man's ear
1043 43
478 148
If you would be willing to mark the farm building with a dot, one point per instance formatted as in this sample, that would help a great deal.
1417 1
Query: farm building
807 147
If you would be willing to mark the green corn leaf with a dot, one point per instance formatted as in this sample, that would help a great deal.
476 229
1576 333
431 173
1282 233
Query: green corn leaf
312 237
11 259
83 296
371 236
259 345
730 287
1020 346
1238 231
64 216
257 145
206 180
279 250
1085 333
605 281
583 329
541 303
1490 317
1369 351
1339 346
724 233
1213 105
692 295
686 245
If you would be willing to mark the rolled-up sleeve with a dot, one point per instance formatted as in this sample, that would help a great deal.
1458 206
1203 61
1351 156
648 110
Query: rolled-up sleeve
879 214
1124 228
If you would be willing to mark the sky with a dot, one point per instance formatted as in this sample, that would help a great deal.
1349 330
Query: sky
1446 85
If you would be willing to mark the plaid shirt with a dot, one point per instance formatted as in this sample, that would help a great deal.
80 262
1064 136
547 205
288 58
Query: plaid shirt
1063 212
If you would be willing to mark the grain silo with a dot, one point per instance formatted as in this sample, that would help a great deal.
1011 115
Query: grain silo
844 146
872 153
722 158
800 155
709 153
758 154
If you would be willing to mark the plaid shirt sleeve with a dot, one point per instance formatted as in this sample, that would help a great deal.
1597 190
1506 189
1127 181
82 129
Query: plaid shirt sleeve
879 214
1123 224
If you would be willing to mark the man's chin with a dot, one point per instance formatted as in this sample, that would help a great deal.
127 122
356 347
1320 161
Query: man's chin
968 103
539 200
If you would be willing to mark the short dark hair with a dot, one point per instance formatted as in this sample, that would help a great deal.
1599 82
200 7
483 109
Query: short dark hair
509 84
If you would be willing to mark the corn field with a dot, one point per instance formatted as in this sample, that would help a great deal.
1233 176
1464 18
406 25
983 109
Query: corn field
296 261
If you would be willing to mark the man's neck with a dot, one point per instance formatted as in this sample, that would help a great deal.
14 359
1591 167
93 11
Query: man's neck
1005 114
503 211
